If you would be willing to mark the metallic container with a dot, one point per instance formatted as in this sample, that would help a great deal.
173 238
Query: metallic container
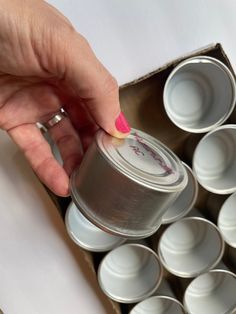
124 186
191 246
212 293
199 94
130 273
158 305
214 160
86 235
184 202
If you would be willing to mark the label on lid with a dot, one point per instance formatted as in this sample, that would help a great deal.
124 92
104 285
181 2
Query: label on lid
144 159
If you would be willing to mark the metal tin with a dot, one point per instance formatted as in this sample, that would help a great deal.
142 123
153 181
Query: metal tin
199 94
124 186
214 160
160 305
87 235
191 246
130 273
184 202
227 220
212 293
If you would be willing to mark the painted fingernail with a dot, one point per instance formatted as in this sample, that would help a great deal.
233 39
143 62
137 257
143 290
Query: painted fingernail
122 124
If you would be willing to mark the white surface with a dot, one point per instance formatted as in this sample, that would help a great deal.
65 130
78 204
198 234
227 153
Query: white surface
41 271
134 37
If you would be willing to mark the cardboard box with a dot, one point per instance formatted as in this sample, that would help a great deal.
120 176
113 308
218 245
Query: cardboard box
141 101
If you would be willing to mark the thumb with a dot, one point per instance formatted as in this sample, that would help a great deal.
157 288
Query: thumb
95 86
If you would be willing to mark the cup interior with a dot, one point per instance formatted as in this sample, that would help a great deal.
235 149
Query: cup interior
227 220
87 235
214 160
184 202
130 273
211 293
190 246
158 304
199 94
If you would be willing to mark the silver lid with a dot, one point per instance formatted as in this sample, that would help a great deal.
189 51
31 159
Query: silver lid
143 159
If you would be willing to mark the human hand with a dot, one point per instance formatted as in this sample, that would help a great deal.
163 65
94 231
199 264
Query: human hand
45 63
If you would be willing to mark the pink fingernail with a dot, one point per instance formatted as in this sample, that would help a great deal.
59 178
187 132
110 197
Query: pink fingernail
122 124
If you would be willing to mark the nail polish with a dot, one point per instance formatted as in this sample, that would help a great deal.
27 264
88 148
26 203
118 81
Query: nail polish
122 124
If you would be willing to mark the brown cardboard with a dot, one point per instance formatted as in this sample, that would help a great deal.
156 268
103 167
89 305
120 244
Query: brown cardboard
141 101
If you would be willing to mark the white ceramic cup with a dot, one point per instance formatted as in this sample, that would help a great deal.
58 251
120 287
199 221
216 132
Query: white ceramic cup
199 94
130 273
227 220
158 305
184 202
190 247
214 160
87 235
213 292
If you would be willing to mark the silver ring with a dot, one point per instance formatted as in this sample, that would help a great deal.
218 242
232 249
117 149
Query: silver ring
60 115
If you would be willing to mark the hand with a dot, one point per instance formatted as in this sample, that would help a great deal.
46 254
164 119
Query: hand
45 63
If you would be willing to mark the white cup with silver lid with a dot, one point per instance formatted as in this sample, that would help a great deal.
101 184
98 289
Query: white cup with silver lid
124 186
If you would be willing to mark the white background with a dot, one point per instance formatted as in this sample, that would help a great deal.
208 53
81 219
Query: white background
134 37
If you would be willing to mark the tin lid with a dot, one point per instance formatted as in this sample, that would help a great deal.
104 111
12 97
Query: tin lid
143 159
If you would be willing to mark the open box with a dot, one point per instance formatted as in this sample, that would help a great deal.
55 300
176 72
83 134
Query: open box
142 103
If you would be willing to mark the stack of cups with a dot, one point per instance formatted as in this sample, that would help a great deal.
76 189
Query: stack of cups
125 186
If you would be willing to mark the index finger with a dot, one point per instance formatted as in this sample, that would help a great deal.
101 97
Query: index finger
94 86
